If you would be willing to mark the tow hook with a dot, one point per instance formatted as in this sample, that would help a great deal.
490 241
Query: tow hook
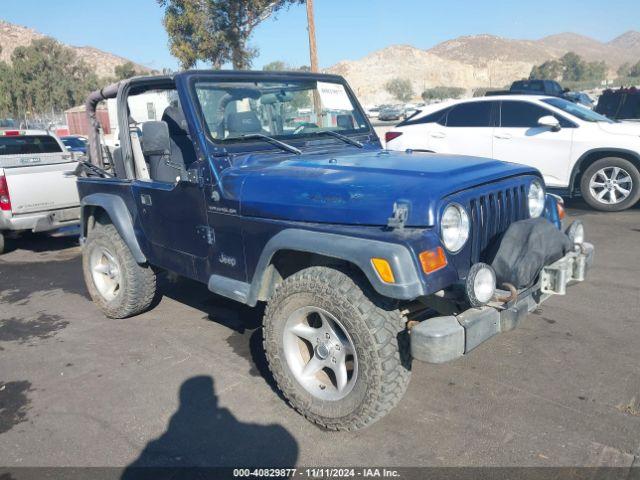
513 294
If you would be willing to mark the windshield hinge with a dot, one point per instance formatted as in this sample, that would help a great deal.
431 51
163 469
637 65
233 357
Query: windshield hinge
399 217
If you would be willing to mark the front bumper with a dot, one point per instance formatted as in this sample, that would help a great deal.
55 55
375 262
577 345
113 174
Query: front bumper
40 221
442 339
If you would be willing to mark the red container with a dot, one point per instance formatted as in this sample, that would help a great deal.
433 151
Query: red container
78 121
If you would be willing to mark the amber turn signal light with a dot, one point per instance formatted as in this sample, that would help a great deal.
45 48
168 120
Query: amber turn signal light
561 212
433 260
384 270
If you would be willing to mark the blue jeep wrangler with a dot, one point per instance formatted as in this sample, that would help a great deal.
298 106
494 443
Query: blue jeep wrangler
274 187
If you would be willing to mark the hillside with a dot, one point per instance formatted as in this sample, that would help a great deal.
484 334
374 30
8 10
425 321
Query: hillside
13 36
476 61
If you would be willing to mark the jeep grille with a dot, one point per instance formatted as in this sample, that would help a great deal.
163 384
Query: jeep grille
491 215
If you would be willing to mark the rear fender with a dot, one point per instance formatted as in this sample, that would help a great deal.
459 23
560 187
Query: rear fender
118 214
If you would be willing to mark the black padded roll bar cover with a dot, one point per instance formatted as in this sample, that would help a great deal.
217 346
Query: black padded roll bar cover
525 248
94 98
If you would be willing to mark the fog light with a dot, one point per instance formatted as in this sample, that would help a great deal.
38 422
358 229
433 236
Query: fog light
575 232
480 285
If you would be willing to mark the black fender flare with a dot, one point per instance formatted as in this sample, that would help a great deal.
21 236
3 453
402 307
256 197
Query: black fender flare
613 151
358 251
120 217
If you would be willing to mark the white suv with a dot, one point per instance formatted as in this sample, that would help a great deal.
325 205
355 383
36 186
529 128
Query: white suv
577 150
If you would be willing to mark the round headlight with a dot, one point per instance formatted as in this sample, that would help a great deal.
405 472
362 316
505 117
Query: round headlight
454 227
480 285
536 199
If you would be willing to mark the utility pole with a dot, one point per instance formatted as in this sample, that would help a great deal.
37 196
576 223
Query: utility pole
313 51
313 55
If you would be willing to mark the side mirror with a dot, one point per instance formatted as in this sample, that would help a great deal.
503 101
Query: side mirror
549 121
155 138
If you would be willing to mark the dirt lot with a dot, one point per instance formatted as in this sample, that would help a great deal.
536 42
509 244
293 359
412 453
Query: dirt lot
186 383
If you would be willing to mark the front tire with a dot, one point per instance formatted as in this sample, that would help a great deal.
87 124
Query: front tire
116 283
611 184
337 350
2 244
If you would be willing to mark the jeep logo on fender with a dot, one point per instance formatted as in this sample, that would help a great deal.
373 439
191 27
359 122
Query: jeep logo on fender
225 260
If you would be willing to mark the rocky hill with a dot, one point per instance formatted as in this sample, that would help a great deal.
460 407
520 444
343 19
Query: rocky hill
476 61
13 36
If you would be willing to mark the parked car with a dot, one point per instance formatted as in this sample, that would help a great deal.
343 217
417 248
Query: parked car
537 87
35 192
391 113
531 87
373 112
75 143
577 150
365 258
580 98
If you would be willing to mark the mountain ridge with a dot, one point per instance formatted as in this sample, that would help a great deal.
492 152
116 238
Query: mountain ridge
475 61
103 63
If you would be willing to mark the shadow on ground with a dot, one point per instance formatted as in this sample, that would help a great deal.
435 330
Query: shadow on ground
43 242
244 322
201 434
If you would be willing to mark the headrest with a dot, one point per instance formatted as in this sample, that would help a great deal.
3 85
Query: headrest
243 122
175 120
345 122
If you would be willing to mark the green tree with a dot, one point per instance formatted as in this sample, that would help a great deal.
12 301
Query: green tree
400 88
440 93
43 77
549 70
276 65
48 76
126 70
623 70
8 103
570 68
634 71
216 31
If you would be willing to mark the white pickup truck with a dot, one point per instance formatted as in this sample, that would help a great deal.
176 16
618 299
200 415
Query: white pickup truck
36 193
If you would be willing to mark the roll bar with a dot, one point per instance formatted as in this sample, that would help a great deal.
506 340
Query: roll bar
95 149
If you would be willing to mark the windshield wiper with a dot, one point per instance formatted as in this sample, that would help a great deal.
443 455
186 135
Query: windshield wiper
344 138
267 138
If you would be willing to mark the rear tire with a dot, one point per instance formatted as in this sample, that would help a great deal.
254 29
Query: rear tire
366 338
116 283
2 244
611 184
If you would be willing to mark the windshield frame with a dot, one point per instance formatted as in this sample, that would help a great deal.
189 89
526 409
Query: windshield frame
239 144
597 118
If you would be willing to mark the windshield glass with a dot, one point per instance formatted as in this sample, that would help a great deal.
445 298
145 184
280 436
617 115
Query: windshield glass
283 110
577 110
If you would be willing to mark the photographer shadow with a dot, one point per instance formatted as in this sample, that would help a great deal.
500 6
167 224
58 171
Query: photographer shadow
202 435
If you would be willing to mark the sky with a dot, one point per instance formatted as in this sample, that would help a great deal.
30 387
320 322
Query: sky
347 29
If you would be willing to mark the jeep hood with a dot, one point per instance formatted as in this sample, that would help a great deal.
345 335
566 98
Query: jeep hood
359 189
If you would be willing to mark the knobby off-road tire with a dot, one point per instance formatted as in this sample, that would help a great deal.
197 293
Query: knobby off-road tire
602 172
373 325
136 284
